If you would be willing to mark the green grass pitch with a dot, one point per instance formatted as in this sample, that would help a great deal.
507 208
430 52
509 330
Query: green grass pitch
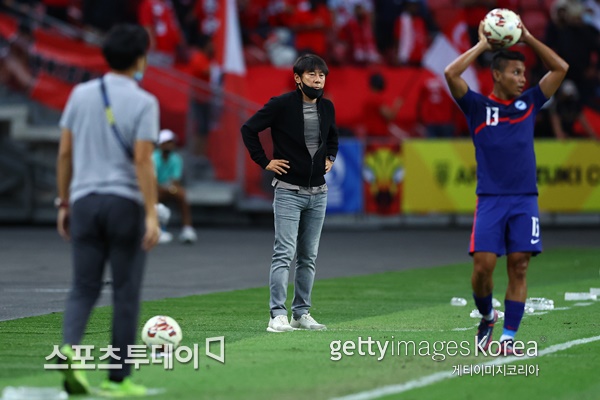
407 306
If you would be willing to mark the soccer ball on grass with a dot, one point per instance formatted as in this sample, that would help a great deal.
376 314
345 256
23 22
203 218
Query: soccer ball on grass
161 330
502 27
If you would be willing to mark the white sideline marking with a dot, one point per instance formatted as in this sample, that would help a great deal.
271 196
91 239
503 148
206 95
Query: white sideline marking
385 330
36 290
440 376
41 290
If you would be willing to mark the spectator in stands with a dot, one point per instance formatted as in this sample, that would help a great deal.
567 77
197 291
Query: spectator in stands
200 65
15 71
205 15
435 109
385 15
165 35
359 32
169 170
565 110
378 112
412 37
252 15
354 37
253 24
312 23
343 10
591 17
280 12
577 43
280 47
183 9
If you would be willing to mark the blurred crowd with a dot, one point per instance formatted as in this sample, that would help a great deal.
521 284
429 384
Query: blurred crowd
354 33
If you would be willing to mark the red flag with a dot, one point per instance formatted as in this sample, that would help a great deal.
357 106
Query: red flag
229 54
446 47
228 38
457 31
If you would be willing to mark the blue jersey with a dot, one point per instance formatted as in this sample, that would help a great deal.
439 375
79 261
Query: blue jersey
502 132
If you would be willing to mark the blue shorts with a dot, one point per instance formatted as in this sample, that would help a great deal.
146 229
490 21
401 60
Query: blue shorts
506 224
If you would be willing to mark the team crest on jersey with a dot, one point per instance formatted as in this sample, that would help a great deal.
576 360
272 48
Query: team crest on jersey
520 105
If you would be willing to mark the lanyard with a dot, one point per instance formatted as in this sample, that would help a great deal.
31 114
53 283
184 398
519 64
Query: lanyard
110 117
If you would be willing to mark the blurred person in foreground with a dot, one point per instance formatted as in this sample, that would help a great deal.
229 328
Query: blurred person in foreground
305 144
106 204
506 216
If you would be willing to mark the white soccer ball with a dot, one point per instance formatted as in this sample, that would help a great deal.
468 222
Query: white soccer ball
502 27
161 330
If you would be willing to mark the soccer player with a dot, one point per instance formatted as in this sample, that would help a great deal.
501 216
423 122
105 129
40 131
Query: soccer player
506 218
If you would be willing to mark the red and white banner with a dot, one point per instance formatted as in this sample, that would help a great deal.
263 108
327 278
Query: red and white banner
223 148
226 35
447 46
457 31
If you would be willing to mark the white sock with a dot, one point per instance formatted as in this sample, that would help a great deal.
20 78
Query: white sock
506 337
490 316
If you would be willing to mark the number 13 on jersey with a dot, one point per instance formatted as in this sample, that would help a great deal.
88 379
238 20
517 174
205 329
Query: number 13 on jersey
491 116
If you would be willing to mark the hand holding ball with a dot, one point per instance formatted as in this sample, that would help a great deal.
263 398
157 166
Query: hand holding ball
502 27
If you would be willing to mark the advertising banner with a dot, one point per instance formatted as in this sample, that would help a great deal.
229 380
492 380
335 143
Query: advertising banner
441 176
344 180
383 175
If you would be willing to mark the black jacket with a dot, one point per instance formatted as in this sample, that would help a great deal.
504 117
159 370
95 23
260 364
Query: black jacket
284 115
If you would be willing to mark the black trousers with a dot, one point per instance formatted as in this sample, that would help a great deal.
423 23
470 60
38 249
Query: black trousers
106 228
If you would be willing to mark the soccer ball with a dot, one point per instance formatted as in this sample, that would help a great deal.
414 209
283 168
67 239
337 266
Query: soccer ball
161 330
502 27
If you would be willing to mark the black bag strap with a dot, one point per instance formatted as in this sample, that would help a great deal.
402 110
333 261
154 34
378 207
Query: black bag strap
110 117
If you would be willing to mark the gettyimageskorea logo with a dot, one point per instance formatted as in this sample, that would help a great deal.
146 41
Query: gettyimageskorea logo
438 351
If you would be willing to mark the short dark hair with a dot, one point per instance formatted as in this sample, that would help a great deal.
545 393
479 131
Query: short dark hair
310 62
124 44
503 56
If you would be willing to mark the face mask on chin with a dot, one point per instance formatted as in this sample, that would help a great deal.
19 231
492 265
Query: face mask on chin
310 92
138 76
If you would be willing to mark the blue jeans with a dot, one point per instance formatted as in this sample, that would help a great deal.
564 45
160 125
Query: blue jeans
298 223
